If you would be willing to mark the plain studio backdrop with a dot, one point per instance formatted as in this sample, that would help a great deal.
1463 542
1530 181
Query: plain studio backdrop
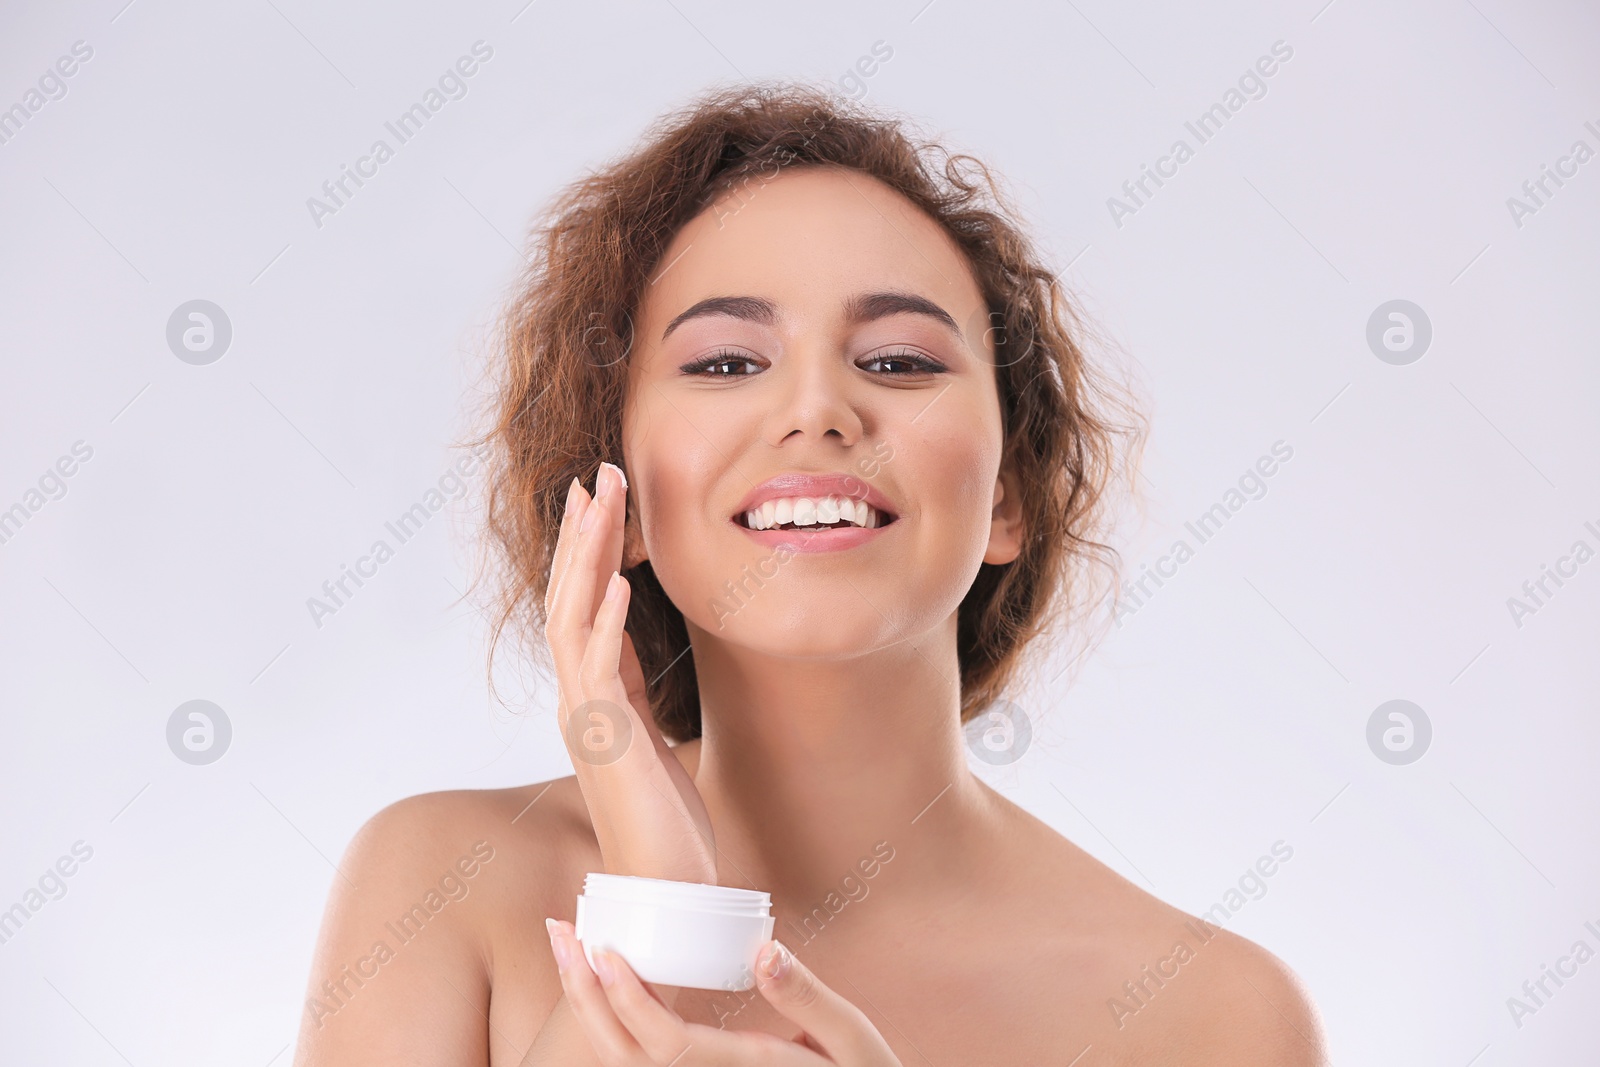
1371 272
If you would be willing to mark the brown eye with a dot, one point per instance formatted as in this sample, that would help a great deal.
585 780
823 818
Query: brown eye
901 363
723 364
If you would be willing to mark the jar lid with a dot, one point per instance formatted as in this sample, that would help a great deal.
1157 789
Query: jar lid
664 892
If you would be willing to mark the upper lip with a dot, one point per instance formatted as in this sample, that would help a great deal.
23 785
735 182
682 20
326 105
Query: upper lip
816 485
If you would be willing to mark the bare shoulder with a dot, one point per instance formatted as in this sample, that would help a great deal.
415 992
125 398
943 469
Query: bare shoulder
1154 981
1254 1009
431 897
471 844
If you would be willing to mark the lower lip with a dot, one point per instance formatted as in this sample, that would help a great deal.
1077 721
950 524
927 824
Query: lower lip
829 540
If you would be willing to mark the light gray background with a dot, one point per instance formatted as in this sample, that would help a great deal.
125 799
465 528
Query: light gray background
1230 712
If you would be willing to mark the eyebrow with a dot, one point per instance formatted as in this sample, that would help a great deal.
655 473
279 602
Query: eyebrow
858 309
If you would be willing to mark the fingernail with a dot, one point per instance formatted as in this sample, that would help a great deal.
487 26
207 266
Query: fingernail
558 946
572 493
613 590
603 967
622 479
775 964
589 514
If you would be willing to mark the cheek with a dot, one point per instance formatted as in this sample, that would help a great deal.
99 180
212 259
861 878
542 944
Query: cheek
673 463
955 470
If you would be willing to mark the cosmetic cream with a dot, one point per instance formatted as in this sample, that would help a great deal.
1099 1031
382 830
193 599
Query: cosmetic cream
675 933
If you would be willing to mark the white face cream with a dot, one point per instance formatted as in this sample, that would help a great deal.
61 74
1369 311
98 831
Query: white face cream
675 933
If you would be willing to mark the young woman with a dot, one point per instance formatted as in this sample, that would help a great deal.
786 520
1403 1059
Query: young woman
866 464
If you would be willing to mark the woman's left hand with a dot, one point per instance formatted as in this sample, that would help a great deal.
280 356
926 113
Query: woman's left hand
630 1027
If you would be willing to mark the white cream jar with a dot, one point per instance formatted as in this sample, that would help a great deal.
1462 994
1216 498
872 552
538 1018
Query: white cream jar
675 933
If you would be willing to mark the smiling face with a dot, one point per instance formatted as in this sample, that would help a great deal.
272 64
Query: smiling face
812 429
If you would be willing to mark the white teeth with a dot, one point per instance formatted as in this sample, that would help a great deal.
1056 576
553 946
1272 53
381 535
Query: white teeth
812 511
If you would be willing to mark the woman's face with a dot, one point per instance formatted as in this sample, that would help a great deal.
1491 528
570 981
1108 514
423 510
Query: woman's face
812 357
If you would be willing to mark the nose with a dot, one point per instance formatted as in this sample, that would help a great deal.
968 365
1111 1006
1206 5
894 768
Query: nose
817 402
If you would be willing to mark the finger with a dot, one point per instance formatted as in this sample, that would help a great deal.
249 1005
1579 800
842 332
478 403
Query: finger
572 611
568 542
611 1040
603 655
658 1030
667 1039
566 537
842 1030
577 504
615 489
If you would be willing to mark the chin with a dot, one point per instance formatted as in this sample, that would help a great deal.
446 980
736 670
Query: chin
813 633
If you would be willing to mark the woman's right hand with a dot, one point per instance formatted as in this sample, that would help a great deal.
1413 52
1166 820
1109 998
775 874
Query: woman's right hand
647 814
629 1027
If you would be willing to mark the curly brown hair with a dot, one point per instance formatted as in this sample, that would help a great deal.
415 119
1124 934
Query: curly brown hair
561 369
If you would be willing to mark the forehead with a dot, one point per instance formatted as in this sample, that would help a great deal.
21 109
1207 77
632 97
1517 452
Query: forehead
807 239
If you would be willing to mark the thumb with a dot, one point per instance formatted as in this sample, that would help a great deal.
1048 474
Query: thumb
837 1027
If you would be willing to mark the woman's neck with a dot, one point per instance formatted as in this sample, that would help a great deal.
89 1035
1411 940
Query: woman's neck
806 765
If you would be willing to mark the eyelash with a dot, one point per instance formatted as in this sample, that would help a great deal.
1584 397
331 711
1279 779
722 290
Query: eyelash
921 364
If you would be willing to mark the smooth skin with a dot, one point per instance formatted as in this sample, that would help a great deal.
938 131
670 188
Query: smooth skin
831 735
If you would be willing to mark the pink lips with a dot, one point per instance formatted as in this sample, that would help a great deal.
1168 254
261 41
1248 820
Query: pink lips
816 485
